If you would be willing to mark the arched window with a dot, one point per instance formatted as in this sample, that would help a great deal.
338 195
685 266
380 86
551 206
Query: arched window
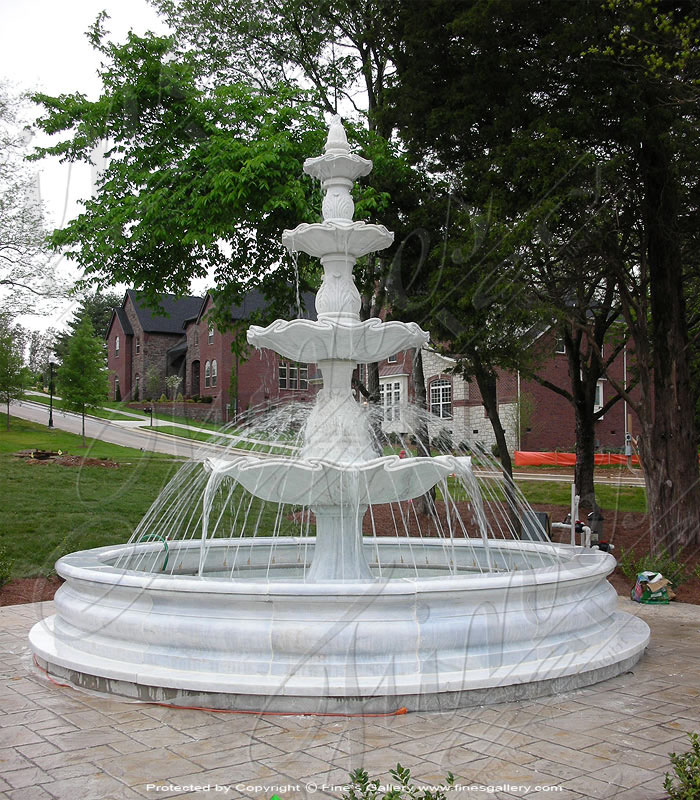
214 372
441 398
207 375
210 333
116 347
196 337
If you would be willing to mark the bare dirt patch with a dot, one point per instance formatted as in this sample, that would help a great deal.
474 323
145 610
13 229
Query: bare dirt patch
29 590
38 457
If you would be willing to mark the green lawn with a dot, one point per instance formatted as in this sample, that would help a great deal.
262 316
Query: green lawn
48 510
610 498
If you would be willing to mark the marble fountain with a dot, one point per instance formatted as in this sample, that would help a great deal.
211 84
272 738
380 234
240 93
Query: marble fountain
328 608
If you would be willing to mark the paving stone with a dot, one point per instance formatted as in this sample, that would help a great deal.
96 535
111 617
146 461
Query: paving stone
147 766
11 758
15 735
29 793
26 777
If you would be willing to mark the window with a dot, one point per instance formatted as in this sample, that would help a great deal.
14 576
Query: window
560 347
196 337
137 388
117 393
116 347
390 400
214 372
599 402
138 344
210 333
441 398
292 375
207 375
391 360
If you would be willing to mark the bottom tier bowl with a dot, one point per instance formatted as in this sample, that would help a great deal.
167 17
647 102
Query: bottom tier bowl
430 632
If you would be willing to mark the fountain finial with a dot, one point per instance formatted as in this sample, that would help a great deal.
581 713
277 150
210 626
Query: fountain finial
337 141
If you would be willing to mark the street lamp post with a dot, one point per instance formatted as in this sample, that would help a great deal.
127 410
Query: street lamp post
51 368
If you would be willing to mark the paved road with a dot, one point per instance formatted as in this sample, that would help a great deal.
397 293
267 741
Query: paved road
124 434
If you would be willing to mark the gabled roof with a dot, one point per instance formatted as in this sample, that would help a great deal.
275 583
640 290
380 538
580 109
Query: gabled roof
120 314
178 309
255 300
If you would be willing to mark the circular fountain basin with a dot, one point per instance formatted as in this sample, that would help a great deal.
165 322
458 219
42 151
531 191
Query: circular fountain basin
436 636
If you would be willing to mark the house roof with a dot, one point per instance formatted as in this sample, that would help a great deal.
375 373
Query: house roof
178 310
123 321
255 300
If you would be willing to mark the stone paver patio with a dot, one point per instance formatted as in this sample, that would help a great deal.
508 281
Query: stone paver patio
608 741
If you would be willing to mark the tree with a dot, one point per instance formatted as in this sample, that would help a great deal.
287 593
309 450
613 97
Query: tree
212 128
13 374
98 307
40 351
82 378
575 86
26 273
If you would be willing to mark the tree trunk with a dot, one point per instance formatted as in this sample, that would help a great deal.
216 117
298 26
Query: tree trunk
8 413
377 414
585 456
668 448
487 383
83 418
427 501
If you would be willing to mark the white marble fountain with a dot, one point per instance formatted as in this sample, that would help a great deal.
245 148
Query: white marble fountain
334 620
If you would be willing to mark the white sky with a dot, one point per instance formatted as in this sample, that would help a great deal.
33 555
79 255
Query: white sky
43 47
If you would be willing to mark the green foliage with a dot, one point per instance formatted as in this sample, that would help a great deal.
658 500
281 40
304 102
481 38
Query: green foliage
97 306
5 565
13 376
362 788
631 565
685 784
162 399
152 383
82 378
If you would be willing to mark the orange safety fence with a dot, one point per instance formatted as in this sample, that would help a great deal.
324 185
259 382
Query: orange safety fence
524 458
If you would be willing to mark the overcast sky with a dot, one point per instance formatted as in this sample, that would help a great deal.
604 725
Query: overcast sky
43 47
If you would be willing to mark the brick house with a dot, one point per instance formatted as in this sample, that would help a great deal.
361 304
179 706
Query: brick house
533 416
236 383
188 344
139 340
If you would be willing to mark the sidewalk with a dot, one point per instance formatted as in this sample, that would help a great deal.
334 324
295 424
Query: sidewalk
607 741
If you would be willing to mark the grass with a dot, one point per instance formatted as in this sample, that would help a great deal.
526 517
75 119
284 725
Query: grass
623 499
25 435
610 498
49 510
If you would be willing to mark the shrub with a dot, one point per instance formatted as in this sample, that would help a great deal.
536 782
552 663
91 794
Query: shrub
5 566
162 399
687 769
362 788
179 398
631 566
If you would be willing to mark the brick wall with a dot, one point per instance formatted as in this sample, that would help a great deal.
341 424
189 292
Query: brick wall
551 424
119 366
